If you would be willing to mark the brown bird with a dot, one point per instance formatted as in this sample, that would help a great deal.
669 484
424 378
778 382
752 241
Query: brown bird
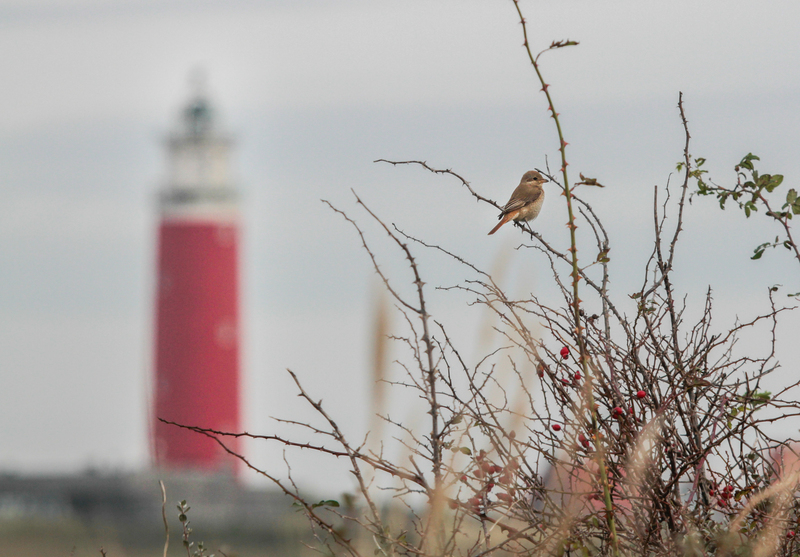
525 202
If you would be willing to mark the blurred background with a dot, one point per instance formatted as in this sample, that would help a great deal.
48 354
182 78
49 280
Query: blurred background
312 93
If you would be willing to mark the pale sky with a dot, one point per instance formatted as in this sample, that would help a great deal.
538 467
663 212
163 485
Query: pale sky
314 91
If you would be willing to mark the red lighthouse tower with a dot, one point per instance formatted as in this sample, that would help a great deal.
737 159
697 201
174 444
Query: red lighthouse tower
197 316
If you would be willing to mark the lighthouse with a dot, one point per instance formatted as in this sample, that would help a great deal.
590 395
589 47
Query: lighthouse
196 375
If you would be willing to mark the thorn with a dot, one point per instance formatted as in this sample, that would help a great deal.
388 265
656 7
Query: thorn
544 87
564 143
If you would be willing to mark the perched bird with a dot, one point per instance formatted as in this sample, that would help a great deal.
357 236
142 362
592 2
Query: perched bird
525 202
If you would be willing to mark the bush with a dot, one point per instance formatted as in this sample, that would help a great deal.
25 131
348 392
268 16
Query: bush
642 434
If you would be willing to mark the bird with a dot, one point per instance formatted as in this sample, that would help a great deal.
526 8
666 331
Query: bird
525 202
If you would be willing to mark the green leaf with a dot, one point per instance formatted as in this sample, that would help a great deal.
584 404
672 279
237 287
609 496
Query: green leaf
759 398
466 450
793 202
746 161
759 251
326 503
773 181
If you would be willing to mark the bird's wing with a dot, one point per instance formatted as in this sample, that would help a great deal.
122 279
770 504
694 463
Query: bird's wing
522 196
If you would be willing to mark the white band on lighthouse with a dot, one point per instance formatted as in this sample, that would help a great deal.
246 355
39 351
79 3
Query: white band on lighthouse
199 185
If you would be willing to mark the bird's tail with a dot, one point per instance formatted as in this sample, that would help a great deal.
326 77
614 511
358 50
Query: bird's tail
504 220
